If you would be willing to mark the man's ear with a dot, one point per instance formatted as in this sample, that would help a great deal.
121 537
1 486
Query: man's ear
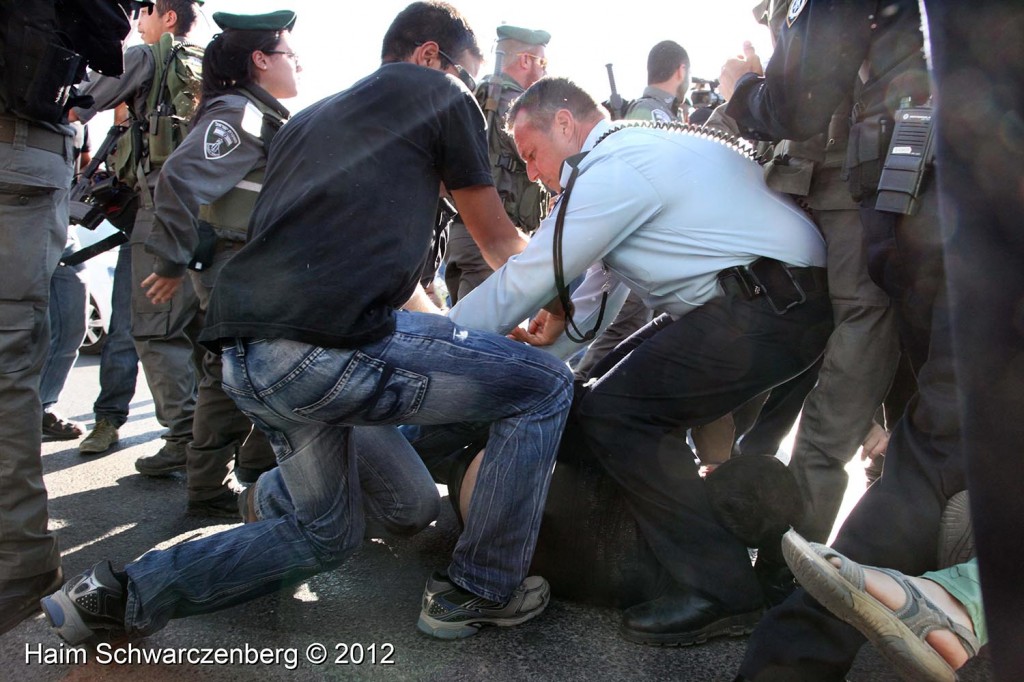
427 54
564 122
170 20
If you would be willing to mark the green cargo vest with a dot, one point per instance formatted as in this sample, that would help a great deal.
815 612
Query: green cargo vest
526 202
171 103
229 215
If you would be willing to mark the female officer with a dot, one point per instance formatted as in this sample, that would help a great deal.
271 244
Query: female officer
204 198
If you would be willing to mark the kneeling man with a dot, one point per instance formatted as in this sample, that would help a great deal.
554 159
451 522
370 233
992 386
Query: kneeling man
684 220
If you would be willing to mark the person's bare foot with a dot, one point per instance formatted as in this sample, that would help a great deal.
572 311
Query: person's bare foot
883 588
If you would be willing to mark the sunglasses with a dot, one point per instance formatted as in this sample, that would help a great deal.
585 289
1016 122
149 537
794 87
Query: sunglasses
541 61
464 75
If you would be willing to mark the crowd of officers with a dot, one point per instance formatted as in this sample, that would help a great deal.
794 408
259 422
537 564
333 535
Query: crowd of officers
710 329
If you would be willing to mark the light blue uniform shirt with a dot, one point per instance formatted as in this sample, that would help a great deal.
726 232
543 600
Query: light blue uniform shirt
657 211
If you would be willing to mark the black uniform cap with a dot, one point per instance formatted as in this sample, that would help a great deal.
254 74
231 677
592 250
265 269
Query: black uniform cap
282 20
523 35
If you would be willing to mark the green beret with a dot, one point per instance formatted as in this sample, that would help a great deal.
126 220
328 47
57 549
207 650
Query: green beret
282 20
523 35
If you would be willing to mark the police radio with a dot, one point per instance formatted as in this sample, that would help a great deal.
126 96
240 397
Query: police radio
911 153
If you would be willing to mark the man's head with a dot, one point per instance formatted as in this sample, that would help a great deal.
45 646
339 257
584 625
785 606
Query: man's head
523 57
668 68
550 122
433 34
176 17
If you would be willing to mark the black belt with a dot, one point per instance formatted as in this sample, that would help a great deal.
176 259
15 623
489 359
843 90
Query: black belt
37 137
784 286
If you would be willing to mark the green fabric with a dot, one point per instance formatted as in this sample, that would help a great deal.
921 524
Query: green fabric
172 101
523 35
230 213
525 202
963 583
282 20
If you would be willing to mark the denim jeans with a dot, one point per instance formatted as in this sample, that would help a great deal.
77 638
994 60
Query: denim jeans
307 399
67 329
119 363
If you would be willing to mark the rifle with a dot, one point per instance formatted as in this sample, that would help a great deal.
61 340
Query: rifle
615 105
493 100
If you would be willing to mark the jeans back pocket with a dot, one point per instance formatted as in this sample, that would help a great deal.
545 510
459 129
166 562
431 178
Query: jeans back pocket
369 391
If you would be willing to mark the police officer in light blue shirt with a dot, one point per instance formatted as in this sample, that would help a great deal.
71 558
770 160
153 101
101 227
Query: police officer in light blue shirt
686 222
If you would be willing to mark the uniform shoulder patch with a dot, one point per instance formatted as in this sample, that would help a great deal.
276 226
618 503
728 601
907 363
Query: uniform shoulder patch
659 116
795 8
221 139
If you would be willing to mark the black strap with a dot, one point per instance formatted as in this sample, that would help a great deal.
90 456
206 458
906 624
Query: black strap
563 291
96 249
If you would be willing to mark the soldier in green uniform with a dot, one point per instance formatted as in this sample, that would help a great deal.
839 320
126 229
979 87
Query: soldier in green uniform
209 186
160 333
668 79
520 56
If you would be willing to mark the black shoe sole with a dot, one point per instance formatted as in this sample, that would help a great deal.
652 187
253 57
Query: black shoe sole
730 626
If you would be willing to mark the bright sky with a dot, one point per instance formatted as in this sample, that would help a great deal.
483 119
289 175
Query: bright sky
339 42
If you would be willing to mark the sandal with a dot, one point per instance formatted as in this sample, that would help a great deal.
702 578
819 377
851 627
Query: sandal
60 429
898 635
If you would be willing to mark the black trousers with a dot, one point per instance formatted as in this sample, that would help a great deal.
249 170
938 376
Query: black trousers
896 522
980 181
673 375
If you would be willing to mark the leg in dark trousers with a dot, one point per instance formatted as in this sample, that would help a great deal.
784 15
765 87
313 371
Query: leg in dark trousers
675 375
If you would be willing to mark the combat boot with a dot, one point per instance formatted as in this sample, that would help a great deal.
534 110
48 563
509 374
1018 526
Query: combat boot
170 458
102 437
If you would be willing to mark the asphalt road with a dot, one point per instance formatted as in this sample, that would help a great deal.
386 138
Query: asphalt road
361 617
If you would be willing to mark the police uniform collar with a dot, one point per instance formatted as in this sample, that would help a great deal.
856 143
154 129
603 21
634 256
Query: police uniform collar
602 127
659 94
266 98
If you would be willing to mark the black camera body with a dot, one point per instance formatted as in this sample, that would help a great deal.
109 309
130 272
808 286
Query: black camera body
705 95
101 197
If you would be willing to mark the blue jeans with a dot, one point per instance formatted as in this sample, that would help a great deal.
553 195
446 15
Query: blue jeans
307 399
119 363
67 329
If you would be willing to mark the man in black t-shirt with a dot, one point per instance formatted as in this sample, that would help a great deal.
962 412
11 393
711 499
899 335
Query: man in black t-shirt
307 315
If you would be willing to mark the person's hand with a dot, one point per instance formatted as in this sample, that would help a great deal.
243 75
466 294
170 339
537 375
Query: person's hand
875 443
161 289
748 62
544 329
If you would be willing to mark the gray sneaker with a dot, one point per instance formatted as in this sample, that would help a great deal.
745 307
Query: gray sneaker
450 612
167 460
102 437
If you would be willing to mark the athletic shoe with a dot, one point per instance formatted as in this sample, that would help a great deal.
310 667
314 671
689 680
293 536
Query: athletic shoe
89 605
450 612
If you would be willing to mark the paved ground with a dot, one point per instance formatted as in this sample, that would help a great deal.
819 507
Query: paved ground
366 610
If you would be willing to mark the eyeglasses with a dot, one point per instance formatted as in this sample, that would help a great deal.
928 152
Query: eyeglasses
464 75
541 61
290 55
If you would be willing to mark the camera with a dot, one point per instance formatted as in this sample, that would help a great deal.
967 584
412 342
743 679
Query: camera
98 198
704 94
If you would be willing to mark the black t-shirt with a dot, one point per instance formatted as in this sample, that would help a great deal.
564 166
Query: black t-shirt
347 210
